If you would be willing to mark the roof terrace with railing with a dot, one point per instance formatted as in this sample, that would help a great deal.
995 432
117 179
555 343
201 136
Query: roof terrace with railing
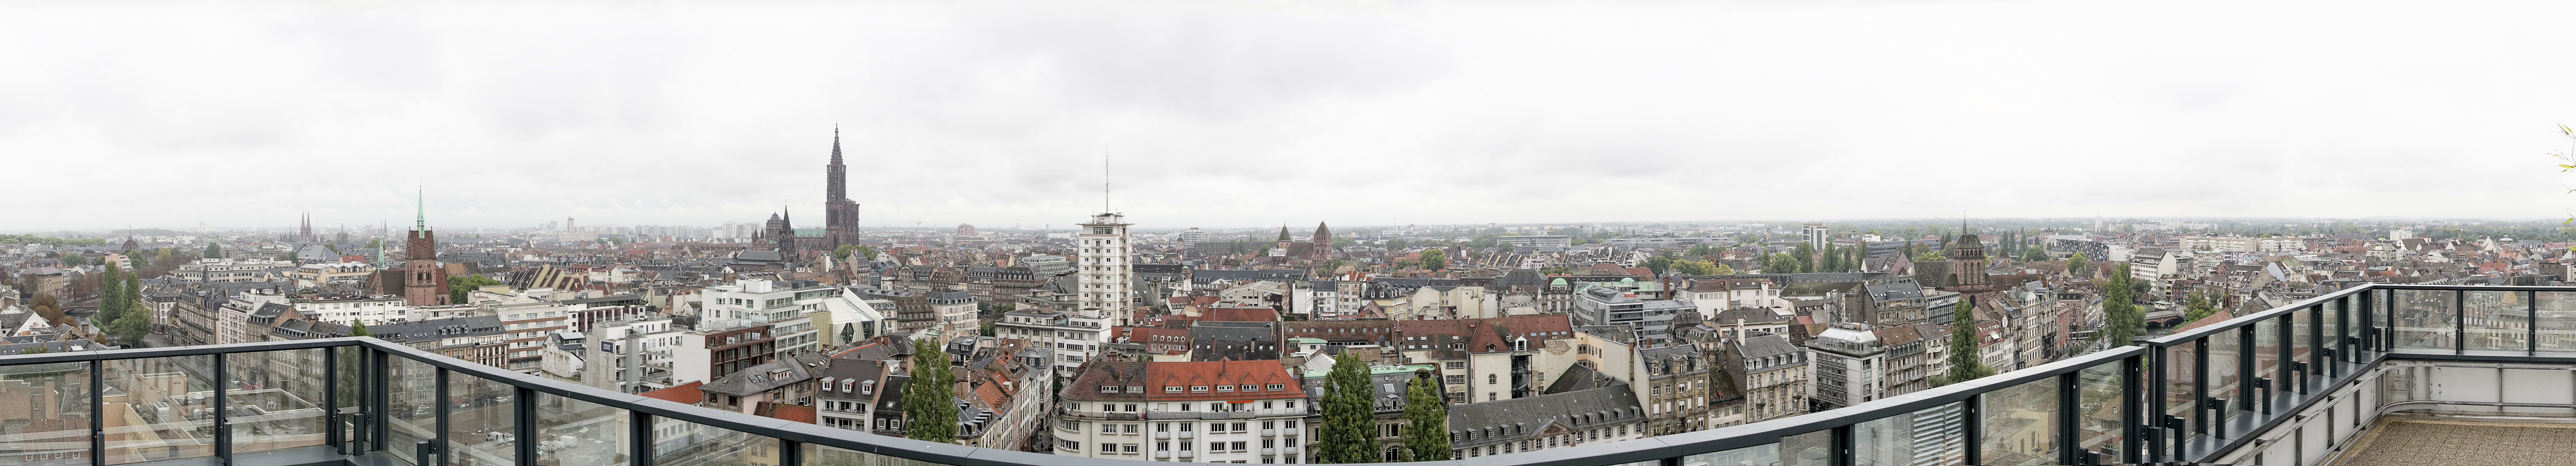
2377 374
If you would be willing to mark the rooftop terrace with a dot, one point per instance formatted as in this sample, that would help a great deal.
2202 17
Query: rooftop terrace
2377 374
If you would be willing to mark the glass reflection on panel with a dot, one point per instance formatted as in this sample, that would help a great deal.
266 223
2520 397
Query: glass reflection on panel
2020 424
481 421
1931 436
2557 320
2426 319
158 408
1758 455
2498 321
579 433
50 416
275 399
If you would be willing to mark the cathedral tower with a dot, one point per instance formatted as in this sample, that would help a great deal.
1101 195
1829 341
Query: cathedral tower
840 214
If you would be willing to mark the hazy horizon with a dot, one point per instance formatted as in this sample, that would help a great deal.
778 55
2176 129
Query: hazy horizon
1370 112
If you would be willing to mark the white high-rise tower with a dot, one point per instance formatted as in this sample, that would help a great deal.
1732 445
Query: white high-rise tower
1108 283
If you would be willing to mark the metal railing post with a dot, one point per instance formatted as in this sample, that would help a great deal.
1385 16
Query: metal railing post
2459 321
1842 446
2531 323
2070 437
440 438
2245 349
379 399
524 425
2156 399
1975 420
97 405
223 425
639 439
331 399
2130 409
792 453
2199 387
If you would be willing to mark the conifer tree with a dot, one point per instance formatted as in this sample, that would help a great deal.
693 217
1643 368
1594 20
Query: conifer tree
930 399
1349 420
1965 363
1426 420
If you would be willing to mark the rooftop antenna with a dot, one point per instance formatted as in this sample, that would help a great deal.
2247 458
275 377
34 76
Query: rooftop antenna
1104 182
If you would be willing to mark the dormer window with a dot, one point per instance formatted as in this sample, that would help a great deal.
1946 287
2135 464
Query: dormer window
1198 389
1171 389
1225 388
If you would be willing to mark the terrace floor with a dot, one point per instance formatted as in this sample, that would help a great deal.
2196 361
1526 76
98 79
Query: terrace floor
2414 442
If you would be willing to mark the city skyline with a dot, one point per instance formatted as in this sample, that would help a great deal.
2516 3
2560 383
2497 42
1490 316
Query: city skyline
996 115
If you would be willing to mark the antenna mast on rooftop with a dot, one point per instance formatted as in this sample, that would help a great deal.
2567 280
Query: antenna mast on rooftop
1104 182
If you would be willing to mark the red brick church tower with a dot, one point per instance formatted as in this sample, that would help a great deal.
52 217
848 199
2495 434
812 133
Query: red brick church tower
424 281
1323 249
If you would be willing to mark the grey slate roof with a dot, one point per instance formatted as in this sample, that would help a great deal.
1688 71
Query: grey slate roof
1492 422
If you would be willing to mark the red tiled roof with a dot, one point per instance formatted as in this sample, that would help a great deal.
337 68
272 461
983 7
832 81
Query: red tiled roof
687 393
804 414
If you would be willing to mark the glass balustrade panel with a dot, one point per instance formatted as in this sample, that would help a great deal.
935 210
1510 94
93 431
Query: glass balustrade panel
50 422
482 420
579 433
2556 321
2426 319
683 443
1758 455
2098 395
157 409
275 399
411 407
2225 381
2020 424
2497 321
1931 436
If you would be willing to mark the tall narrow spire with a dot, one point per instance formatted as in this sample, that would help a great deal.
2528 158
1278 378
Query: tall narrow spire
835 176
420 210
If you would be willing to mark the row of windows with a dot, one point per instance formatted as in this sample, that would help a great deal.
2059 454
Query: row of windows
1212 406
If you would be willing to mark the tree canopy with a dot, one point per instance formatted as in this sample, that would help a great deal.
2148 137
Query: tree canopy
1349 420
929 400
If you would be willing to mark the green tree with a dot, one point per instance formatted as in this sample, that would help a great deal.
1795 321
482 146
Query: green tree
1805 259
1349 421
2075 265
458 287
864 253
2197 307
213 251
75 259
359 329
930 399
1395 244
375 243
132 326
111 298
36 350
1426 419
1965 363
2121 320
1434 259
2034 253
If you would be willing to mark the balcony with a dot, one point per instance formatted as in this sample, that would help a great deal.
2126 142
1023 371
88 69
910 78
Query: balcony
2413 368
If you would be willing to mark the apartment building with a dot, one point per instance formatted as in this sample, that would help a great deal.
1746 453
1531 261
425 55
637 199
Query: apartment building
1075 338
1774 375
1207 412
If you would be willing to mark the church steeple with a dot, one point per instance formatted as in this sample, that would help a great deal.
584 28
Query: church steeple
836 186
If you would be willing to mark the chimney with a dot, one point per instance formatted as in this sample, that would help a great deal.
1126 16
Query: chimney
1739 331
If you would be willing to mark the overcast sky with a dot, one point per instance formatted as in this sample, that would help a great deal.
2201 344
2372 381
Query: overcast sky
242 114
